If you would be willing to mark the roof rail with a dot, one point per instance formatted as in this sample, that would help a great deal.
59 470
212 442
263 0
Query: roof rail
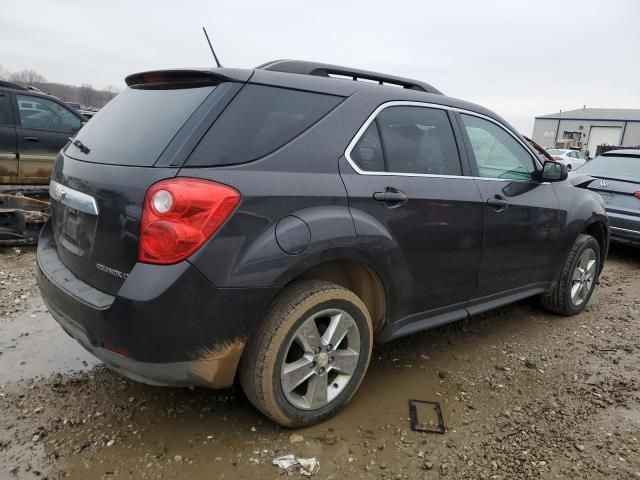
15 86
336 71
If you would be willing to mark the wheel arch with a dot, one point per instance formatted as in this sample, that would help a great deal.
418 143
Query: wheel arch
354 274
598 229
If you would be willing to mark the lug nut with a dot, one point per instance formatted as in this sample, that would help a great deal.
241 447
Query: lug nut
318 350
331 360
329 348
321 371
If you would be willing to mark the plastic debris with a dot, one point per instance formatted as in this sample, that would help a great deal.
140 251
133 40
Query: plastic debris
308 466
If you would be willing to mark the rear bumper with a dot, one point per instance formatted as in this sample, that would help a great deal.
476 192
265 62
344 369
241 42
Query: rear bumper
166 326
624 228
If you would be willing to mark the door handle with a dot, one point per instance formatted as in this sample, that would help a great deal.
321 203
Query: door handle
391 197
498 203
31 139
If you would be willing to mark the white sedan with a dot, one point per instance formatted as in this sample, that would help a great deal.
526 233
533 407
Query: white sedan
571 158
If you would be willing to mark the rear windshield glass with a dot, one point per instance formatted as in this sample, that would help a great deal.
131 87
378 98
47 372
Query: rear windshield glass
616 167
136 126
258 121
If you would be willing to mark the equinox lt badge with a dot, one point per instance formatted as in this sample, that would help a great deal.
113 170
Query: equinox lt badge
111 271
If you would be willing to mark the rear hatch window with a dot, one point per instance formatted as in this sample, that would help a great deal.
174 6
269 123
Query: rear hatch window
135 127
258 121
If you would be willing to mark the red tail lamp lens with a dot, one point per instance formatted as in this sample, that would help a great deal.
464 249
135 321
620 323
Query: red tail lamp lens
180 215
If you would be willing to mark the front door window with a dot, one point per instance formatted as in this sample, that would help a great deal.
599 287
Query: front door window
43 114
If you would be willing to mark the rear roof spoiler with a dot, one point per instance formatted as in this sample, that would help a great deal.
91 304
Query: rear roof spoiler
336 71
187 77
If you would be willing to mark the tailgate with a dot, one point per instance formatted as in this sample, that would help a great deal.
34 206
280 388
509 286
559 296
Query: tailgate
95 215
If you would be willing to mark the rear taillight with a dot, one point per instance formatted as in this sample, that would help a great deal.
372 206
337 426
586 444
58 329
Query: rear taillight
179 215
557 158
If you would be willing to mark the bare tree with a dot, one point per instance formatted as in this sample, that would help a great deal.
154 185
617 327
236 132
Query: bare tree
27 77
87 94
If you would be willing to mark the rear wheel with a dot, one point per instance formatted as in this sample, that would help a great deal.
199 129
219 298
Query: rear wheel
577 278
309 355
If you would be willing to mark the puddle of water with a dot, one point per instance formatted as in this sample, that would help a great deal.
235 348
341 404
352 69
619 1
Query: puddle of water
211 442
33 344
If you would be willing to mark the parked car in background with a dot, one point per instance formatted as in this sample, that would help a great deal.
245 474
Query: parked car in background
571 158
543 155
617 180
270 224
33 128
86 112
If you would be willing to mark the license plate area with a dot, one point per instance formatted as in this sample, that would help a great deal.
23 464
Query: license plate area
72 224
76 230
75 217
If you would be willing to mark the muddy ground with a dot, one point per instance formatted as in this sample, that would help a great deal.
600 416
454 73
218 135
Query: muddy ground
525 394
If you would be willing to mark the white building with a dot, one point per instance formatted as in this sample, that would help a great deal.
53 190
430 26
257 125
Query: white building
587 128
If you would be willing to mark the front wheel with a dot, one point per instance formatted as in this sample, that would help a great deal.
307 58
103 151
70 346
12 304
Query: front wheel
577 278
309 355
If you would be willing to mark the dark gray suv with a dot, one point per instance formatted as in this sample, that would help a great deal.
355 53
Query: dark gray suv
271 224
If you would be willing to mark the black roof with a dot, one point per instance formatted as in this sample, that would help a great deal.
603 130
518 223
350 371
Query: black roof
13 86
317 77
327 70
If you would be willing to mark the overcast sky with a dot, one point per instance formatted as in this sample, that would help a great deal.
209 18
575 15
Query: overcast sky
518 58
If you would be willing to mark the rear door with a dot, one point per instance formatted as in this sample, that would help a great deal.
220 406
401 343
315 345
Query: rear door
416 215
8 146
43 128
521 215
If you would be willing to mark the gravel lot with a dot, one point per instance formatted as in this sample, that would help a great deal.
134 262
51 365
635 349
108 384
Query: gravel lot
525 394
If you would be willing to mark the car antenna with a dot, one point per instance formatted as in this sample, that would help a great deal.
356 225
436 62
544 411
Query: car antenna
211 47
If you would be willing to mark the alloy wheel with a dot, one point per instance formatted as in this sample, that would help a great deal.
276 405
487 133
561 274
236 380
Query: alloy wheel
584 274
321 359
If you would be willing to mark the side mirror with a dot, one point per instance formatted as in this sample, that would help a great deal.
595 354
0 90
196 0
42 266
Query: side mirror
554 172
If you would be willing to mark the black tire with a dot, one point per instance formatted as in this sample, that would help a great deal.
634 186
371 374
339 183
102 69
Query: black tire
559 300
267 351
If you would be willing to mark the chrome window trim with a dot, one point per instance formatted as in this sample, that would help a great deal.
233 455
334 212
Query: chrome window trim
405 103
73 198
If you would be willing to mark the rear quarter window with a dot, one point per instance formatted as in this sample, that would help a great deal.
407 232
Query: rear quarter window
257 122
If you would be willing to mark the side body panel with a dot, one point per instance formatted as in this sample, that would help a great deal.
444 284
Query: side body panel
579 209
299 180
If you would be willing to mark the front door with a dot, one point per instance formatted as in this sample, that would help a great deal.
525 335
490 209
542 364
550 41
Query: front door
44 127
416 216
521 215
8 146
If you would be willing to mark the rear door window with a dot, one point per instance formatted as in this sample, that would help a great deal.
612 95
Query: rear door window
136 126
413 140
257 122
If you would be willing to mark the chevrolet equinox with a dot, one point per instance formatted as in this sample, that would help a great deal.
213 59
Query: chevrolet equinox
270 225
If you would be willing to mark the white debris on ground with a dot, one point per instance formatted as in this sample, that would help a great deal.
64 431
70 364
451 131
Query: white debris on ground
308 466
